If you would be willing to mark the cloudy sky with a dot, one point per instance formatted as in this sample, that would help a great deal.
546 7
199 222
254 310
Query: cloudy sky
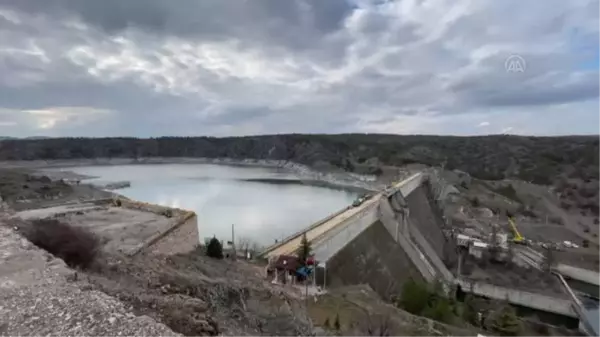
237 67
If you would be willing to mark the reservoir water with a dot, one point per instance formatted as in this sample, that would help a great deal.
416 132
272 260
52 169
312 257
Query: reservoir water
265 204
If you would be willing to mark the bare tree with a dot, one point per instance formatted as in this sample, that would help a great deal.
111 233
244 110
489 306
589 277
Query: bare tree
243 245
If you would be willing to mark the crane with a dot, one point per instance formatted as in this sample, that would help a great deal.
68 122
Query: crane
517 237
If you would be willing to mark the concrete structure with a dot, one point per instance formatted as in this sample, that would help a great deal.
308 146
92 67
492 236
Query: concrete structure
477 249
586 324
519 297
347 241
130 228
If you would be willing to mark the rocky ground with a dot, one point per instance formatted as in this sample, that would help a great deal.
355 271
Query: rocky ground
40 295
27 189
537 212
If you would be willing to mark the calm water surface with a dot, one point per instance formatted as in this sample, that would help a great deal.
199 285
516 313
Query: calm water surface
219 194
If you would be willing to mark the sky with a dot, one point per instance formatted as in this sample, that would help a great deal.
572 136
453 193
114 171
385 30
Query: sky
148 68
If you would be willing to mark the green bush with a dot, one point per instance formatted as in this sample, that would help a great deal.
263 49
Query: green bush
440 310
414 297
214 249
420 298
505 322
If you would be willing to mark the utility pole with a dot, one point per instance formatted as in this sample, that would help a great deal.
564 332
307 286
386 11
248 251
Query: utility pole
233 242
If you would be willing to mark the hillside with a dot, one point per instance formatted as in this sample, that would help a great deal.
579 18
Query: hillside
537 159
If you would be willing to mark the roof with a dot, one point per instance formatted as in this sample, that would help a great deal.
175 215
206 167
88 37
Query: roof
288 262
479 244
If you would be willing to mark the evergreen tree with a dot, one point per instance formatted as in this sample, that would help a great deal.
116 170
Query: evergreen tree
214 249
304 250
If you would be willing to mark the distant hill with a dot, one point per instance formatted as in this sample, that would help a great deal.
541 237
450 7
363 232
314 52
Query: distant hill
37 137
15 138
541 160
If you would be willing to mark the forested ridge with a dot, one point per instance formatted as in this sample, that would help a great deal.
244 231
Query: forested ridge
538 159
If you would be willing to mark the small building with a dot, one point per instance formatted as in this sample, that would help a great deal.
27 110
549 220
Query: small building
477 248
463 240
283 269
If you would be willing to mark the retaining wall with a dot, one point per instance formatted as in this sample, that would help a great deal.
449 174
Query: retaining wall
182 237
519 297
152 208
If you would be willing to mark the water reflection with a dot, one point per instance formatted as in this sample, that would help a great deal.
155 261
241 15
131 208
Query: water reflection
221 196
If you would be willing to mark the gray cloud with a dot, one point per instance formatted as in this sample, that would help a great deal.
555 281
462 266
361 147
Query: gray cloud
150 67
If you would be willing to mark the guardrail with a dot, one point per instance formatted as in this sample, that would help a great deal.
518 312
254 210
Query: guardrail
340 226
300 232
321 246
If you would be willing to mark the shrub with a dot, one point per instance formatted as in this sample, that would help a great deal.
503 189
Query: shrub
585 243
168 213
214 249
77 246
440 310
505 322
414 297
565 205
509 192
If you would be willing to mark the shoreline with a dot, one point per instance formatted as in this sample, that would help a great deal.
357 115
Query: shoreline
305 174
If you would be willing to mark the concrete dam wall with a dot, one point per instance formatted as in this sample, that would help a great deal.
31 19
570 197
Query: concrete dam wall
372 258
426 217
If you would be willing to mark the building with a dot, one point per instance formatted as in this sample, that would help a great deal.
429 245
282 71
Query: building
283 269
287 269
477 248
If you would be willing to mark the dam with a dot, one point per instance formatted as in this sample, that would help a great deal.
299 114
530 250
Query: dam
399 234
